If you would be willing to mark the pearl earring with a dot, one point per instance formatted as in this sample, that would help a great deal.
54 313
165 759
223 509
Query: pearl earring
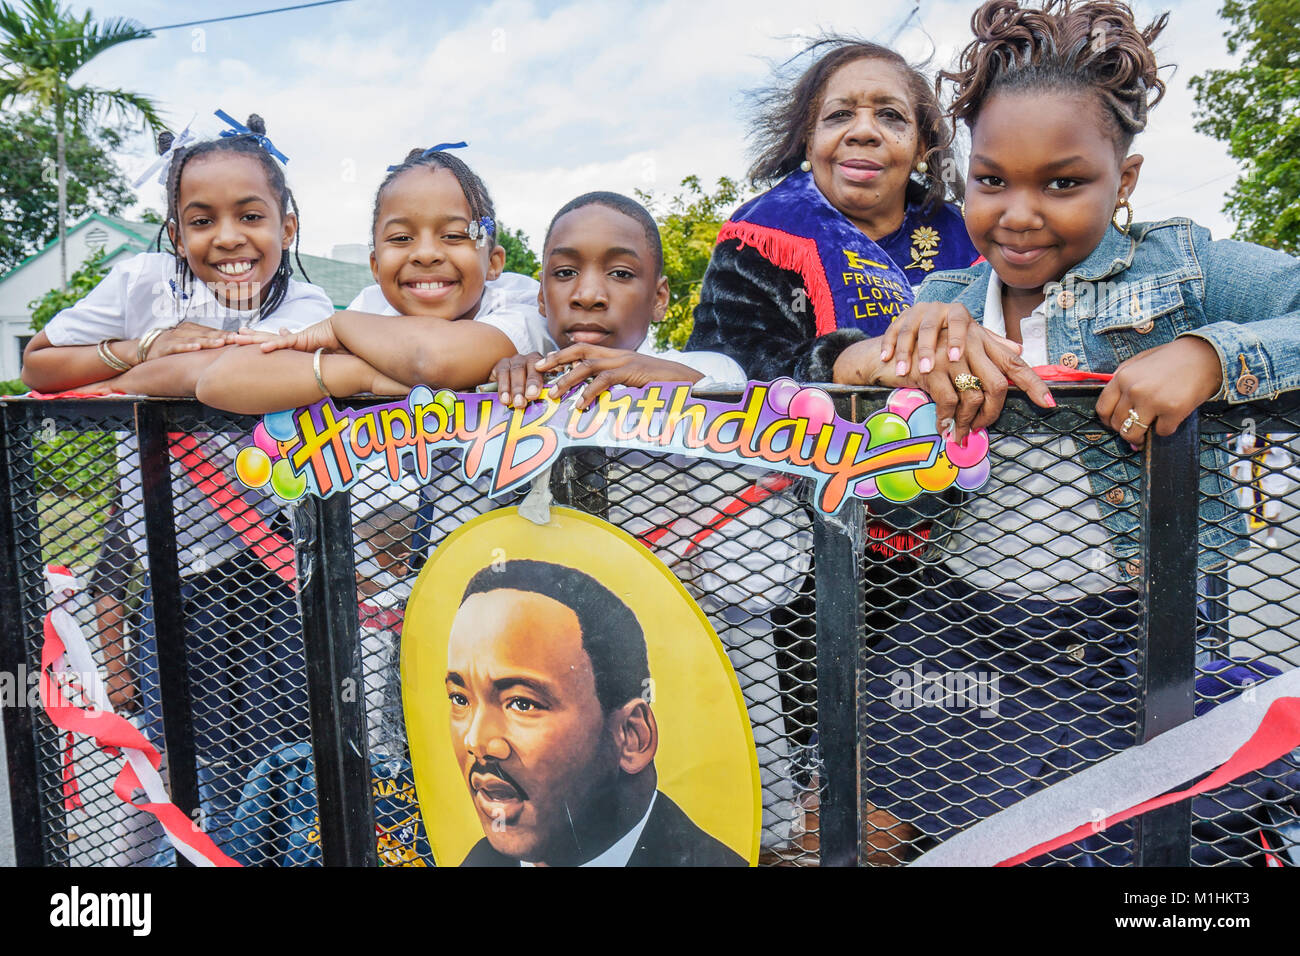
806 166
923 167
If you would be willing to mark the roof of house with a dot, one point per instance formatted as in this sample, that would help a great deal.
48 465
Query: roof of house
340 280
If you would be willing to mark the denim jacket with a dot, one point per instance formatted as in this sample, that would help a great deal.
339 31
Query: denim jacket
1134 292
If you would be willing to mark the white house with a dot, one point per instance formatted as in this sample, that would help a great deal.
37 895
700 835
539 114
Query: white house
39 273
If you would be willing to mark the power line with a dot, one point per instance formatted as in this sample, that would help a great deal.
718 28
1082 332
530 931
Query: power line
1190 189
245 16
195 23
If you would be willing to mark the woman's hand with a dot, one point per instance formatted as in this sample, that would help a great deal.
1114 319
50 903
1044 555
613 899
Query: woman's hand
188 337
992 359
918 328
318 336
517 378
606 367
995 361
1159 388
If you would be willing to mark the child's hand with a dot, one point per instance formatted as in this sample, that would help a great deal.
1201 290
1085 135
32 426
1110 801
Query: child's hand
517 378
318 336
189 337
384 385
995 361
109 386
1161 387
918 329
606 367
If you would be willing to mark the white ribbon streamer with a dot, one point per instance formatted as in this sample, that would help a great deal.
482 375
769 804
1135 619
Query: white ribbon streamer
1117 783
80 662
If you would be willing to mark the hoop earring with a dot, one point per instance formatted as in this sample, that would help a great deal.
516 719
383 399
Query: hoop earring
806 166
1128 221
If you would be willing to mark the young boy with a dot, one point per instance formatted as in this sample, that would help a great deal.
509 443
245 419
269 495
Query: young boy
602 286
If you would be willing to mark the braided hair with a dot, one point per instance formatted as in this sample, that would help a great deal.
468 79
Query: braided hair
476 194
246 144
784 115
1065 46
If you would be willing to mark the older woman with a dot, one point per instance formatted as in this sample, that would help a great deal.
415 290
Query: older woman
828 256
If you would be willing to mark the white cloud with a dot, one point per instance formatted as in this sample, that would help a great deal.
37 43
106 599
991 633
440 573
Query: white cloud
562 97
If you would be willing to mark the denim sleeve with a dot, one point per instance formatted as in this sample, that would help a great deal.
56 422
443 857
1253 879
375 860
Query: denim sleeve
1252 311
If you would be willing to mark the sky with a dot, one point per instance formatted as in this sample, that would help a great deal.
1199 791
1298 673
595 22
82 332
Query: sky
558 98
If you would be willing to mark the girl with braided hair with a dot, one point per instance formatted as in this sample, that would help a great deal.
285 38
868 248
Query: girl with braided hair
152 325
1036 580
161 318
442 311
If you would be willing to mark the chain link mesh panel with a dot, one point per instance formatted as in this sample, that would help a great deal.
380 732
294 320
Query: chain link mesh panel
999 649
1001 646
1250 604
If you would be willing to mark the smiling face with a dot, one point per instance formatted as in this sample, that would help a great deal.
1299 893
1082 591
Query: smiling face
864 143
527 729
600 281
1044 183
230 228
424 260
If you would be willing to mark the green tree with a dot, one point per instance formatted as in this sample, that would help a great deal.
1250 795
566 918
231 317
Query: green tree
56 300
520 257
29 201
1255 109
688 227
71 466
42 46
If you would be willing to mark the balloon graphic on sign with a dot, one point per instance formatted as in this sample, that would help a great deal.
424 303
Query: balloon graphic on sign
253 467
779 394
814 406
279 425
909 413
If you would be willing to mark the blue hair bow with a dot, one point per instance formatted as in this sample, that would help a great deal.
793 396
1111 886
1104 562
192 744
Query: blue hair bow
480 230
434 149
239 129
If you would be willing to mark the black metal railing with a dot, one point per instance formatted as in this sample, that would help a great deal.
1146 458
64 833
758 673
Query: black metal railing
1096 635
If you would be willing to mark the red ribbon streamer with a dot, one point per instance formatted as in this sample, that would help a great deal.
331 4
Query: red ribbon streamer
1277 735
269 547
1059 373
111 733
71 790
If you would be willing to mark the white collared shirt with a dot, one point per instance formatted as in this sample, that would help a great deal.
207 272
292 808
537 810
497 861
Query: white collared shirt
621 851
1034 530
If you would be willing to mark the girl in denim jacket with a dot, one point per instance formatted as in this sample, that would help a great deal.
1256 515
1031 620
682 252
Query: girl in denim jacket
1035 587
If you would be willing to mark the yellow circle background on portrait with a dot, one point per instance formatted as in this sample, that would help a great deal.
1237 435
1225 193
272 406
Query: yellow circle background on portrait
706 760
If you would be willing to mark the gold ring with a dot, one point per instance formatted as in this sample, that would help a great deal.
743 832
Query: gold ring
965 381
1130 421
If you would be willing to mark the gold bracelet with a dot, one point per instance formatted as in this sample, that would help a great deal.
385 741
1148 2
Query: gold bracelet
315 367
108 358
146 342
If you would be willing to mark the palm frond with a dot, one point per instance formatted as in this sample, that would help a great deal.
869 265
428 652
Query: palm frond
42 44
95 102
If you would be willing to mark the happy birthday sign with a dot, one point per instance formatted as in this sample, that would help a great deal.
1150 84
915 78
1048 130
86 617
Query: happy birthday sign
896 454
